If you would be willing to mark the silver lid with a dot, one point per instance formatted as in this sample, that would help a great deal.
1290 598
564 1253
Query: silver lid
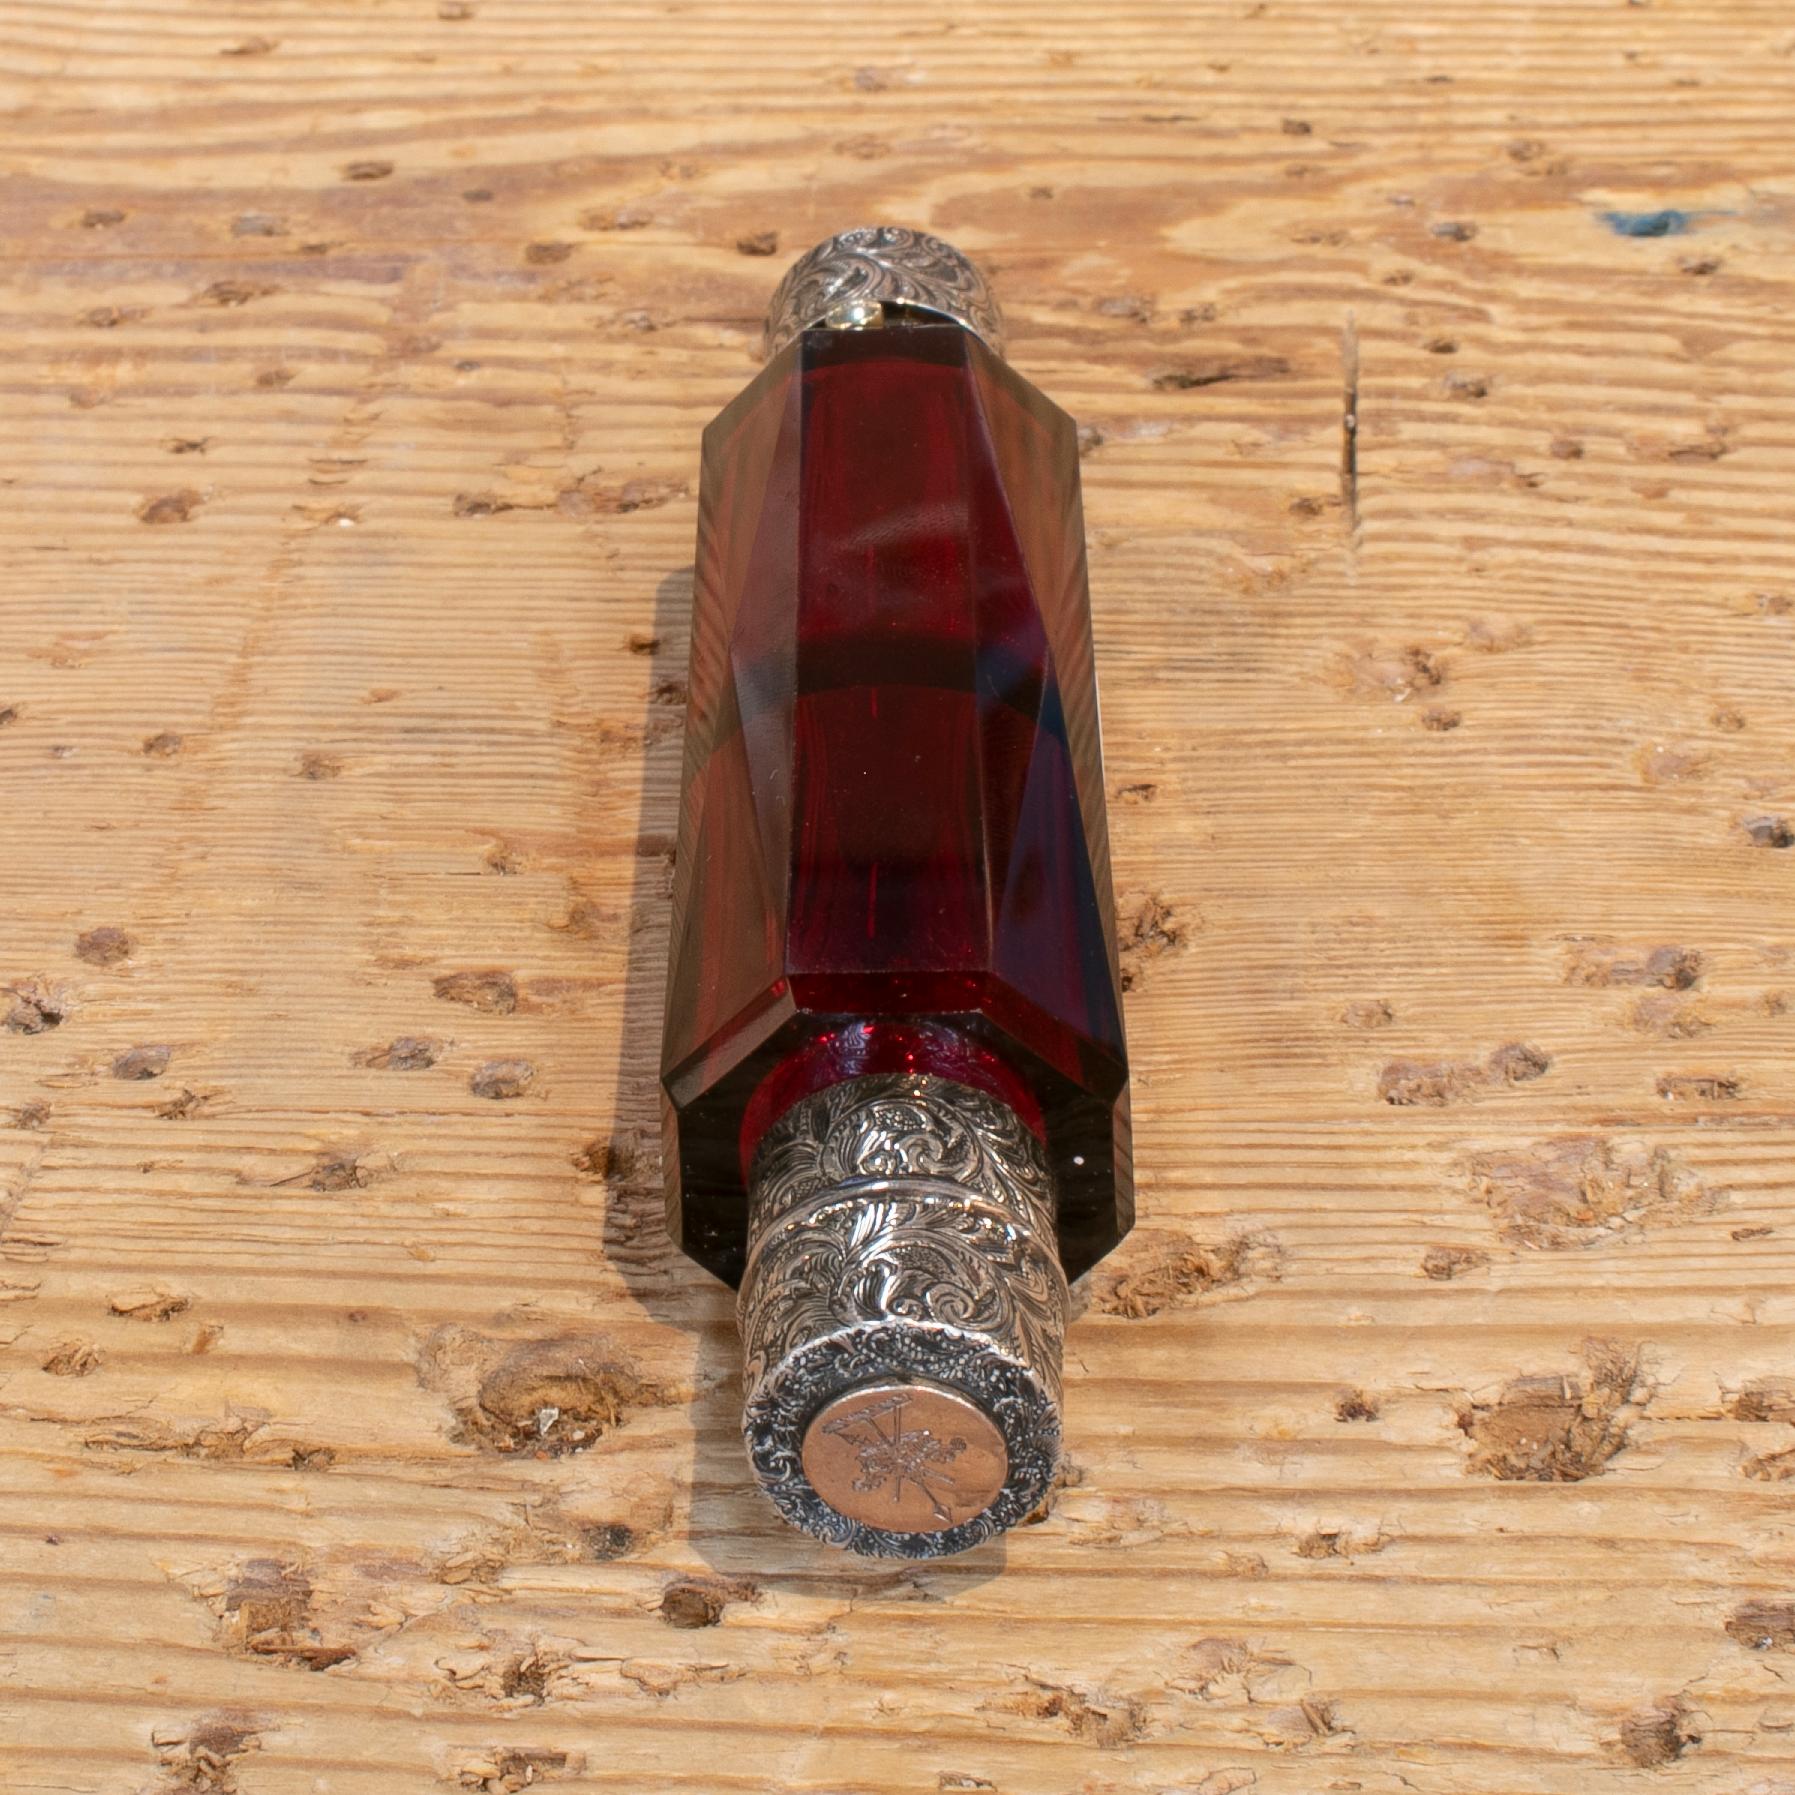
856 279
903 1316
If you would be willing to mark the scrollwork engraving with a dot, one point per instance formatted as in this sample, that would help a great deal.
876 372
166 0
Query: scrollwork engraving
879 265
901 1227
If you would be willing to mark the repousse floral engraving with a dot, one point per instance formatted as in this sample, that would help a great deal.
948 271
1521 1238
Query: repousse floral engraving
901 1228
882 263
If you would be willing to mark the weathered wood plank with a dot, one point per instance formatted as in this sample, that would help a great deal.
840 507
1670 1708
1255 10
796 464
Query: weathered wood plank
1440 419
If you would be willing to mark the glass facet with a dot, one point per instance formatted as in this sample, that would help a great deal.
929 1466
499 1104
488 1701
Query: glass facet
892 846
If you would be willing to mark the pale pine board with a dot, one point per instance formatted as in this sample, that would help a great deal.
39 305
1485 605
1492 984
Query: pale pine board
1407 768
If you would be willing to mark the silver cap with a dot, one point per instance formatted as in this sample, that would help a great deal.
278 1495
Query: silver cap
856 279
903 1316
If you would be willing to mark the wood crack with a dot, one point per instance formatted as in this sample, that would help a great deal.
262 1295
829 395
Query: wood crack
1349 426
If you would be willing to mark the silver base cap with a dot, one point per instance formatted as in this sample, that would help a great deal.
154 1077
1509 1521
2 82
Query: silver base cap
903 1316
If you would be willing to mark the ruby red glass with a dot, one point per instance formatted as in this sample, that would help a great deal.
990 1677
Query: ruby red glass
892 846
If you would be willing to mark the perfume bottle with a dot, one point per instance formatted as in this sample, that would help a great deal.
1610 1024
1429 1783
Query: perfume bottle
893 1063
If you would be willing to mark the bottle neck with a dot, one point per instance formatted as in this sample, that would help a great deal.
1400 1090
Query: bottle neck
882 1048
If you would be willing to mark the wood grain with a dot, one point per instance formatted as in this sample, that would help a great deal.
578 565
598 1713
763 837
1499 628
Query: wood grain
1434 1431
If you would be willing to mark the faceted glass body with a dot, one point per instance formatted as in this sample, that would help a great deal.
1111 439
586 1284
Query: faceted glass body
892 844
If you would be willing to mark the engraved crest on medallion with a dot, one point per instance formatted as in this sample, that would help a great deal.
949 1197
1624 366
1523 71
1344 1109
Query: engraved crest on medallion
909 1455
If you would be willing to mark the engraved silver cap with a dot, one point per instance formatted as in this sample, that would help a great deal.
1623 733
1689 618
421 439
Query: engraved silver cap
903 1316
858 279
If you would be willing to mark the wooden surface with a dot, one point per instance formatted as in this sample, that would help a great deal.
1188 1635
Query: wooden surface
1435 1431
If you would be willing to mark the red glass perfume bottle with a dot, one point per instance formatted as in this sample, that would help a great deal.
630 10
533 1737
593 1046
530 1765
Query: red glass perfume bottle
893 1060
